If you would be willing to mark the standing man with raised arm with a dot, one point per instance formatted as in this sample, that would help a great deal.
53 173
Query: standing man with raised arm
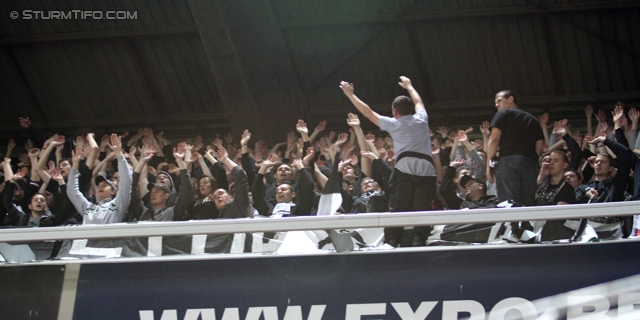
520 138
412 186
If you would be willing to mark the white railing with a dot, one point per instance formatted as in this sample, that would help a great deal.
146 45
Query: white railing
369 220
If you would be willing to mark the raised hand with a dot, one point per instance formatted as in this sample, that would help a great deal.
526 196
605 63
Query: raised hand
347 88
601 116
544 169
461 136
291 137
603 128
405 82
76 156
588 111
197 145
55 175
435 149
193 158
149 149
298 164
624 123
58 141
558 127
59 149
116 143
133 150
25 122
147 132
79 142
104 142
217 142
28 145
369 155
173 169
86 150
597 140
634 115
592 161
457 163
479 144
110 157
292 146
21 173
11 144
309 157
221 153
444 131
180 150
271 161
321 126
301 127
34 152
618 114
485 128
343 163
246 136
577 136
353 120
370 137
342 139
544 118
353 159
390 155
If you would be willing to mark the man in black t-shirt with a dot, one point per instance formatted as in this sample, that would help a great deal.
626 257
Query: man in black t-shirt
520 138
553 189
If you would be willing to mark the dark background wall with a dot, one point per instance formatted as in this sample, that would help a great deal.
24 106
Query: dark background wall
203 66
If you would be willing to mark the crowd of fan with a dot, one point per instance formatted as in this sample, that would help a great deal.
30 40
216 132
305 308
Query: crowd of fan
146 176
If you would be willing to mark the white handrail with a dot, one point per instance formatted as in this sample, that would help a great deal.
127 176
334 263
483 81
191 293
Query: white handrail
369 220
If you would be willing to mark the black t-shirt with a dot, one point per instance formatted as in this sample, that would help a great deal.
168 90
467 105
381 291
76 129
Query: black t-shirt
549 194
520 131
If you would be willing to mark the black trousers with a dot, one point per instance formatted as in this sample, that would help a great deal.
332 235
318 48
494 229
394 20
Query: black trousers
409 193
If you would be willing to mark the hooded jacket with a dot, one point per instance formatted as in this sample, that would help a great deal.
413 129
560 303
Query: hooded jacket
108 210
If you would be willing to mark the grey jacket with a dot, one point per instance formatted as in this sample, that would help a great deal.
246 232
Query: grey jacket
109 210
173 212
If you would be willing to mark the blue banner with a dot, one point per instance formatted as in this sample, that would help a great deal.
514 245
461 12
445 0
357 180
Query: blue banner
434 284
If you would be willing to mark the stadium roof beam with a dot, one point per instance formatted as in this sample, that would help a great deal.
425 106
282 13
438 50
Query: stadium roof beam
459 13
92 35
230 77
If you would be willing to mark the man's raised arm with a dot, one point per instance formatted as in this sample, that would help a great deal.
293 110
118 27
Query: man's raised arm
415 97
366 111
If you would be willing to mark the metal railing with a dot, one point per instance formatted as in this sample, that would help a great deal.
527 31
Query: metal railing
369 220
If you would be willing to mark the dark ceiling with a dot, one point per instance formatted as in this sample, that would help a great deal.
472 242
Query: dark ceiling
205 66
